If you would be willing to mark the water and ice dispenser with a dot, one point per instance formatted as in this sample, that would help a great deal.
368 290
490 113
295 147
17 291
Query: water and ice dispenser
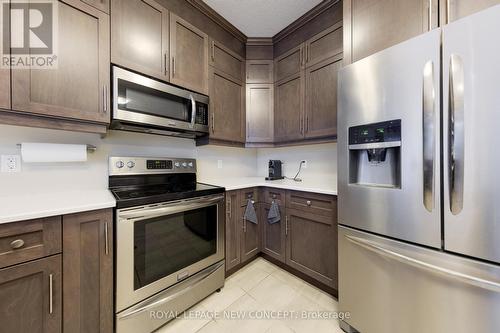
375 154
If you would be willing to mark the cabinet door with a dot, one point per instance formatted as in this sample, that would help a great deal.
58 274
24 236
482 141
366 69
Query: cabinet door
260 113
79 87
189 55
31 297
102 5
250 237
226 60
373 25
273 235
321 98
289 64
260 71
233 230
139 36
453 10
88 272
227 105
311 245
324 45
289 109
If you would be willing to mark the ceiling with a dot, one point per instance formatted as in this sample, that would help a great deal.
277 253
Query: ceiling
261 18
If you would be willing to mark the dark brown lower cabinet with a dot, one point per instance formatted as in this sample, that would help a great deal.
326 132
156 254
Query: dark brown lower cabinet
233 229
273 235
250 237
88 272
31 297
311 245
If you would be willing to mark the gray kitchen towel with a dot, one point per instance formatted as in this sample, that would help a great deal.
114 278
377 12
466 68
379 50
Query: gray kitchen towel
274 213
250 214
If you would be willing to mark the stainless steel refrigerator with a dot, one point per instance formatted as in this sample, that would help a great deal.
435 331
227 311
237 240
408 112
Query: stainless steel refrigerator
419 183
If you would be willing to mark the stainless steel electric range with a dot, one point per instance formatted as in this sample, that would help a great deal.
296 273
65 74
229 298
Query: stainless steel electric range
169 239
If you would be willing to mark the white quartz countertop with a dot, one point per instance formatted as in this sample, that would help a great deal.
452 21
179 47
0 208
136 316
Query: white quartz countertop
37 205
323 186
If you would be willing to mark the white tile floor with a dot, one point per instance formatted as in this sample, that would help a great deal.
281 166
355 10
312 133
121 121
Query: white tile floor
257 289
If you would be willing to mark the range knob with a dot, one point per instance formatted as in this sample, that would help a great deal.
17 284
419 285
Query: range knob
177 164
190 164
184 165
120 164
130 164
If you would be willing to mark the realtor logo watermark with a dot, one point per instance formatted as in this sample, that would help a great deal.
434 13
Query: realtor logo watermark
29 34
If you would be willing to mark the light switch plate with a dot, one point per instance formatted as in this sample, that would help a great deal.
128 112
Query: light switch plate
10 163
304 164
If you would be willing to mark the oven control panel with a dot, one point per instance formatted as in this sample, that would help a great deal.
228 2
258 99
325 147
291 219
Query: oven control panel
146 165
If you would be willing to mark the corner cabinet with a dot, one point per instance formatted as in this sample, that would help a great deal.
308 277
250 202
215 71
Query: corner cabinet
88 272
139 37
259 113
289 108
188 55
78 88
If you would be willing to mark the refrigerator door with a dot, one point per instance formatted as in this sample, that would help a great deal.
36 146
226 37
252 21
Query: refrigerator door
471 136
390 286
399 196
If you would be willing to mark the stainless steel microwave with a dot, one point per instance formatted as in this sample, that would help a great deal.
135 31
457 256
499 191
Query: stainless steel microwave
141 104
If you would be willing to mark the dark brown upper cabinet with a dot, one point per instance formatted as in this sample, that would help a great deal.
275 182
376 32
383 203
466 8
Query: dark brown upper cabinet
373 25
102 5
259 71
31 297
88 272
321 98
226 60
289 64
452 10
260 113
289 108
227 107
324 45
79 87
188 55
139 37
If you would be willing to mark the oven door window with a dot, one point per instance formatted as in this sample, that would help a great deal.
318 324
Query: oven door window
166 244
142 99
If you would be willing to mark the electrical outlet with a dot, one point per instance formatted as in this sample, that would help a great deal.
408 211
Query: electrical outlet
11 163
219 164
304 164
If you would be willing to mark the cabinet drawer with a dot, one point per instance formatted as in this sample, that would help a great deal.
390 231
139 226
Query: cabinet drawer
248 193
320 204
33 239
271 194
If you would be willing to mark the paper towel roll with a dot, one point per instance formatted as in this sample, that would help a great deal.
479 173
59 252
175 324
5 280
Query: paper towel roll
51 152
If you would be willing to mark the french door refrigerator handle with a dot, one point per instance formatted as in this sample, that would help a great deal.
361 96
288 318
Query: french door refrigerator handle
429 135
380 250
456 134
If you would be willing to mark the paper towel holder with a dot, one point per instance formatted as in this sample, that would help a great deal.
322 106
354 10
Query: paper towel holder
90 148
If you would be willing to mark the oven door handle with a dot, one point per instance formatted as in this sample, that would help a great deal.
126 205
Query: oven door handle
169 294
171 208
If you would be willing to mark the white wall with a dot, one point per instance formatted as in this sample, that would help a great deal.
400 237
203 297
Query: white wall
93 174
321 161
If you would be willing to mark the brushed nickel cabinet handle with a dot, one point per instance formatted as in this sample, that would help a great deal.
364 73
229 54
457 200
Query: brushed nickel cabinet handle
447 11
307 123
173 66
106 238
244 224
165 58
308 202
213 50
286 225
104 99
213 122
16 244
51 293
274 196
430 15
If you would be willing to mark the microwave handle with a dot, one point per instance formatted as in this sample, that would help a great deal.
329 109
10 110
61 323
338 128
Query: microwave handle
193 110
